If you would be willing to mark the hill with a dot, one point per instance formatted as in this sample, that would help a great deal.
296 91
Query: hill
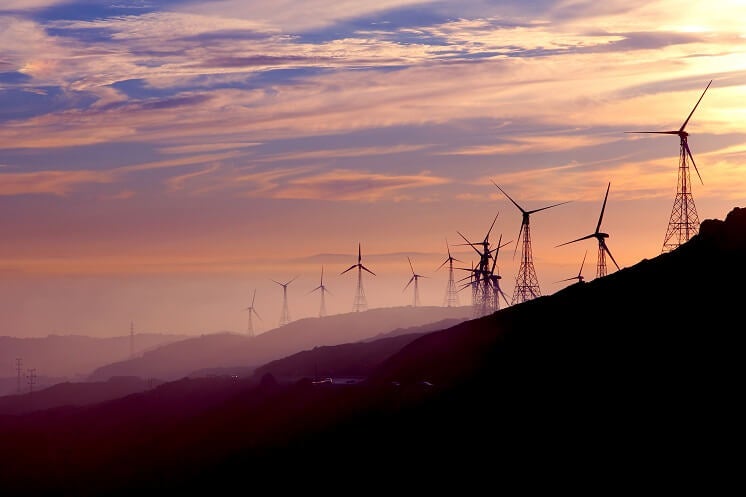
626 382
231 350
58 358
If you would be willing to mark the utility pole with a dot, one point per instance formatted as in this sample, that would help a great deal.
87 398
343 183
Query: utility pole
31 379
132 340
18 371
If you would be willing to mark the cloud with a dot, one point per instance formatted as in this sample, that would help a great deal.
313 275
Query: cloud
341 184
177 182
338 153
526 144
49 182
292 16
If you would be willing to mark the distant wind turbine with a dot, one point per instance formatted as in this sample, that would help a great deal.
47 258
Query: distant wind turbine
322 288
285 314
603 249
252 311
360 303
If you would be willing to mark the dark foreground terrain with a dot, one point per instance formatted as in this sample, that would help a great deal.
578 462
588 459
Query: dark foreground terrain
629 383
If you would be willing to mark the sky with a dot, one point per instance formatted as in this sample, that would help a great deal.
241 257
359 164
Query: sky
161 160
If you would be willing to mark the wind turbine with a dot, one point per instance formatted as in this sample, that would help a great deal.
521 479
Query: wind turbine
360 303
526 281
684 222
451 298
415 278
603 249
252 311
579 277
285 314
322 288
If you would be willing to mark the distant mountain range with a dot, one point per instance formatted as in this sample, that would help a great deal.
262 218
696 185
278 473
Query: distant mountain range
231 350
57 358
628 382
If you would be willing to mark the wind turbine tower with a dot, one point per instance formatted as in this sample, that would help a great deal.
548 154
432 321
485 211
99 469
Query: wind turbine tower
252 312
684 222
526 282
603 249
285 314
414 279
360 303
322 288
451 298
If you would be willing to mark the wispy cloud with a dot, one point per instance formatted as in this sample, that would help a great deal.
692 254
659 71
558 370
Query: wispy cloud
343 184
50 182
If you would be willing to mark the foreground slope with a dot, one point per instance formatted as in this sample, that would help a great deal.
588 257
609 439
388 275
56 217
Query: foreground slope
632 379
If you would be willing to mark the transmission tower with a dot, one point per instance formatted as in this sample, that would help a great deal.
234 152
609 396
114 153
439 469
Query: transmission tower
526 283
18 372
451 297
360 303
684 222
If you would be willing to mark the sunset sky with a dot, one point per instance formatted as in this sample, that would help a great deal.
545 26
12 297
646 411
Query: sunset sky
161 159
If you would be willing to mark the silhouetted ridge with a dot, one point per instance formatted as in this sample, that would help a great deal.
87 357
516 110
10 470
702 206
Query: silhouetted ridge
627 380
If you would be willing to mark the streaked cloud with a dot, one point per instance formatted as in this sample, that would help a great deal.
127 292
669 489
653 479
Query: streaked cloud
49 182
342 184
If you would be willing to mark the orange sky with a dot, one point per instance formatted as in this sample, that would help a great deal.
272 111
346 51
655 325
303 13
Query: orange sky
159 163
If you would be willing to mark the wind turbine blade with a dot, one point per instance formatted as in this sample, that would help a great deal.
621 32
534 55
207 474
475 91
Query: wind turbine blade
448 248
322 274
253 298
351 267
505 298
363 267
549 206
514 203
487 236
686 145
256 313
277 282
592 235
359 253
603 207
567 279
582 263
324 289
407 285
606 249
470 244
695 108
295 278
518 240
410 264
444 263
655 132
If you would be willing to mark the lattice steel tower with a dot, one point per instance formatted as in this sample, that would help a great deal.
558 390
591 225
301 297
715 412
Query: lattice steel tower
684 222
285 314
360 303
526 282
451 297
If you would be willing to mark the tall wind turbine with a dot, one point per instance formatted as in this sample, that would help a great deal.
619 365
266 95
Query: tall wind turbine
415 278
285 314
252 311
360 303
603 249
526 282
451 298
322 288
579 277
684 222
